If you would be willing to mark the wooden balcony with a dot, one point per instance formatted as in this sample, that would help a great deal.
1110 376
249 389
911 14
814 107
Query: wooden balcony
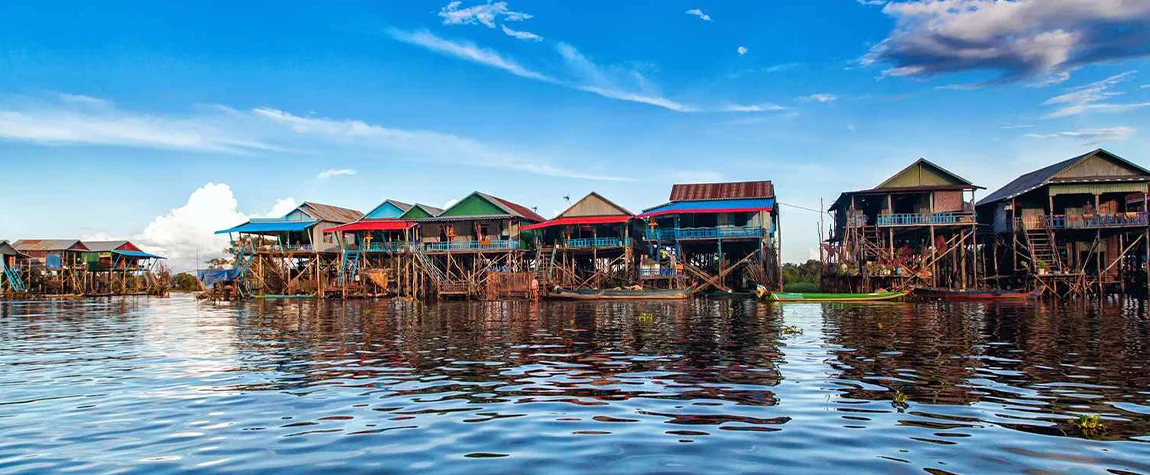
923 219
1095 221
597 243
718 232
472 245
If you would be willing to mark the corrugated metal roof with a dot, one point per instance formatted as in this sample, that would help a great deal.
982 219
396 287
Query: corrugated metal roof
722 191
266 226
590 199
104 246
139 254
1041 176
429 209
711 206
514 209
334 214
6 249
478 217
40 245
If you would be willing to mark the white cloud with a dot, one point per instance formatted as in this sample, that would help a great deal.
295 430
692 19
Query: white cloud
1089 136
580 73
741 50
469 52
821 98
71 122
699 13
1019 38
764 107
1089 98
960 87
188 230
521 35
485 14
1016 126
335 172
449 203
222 129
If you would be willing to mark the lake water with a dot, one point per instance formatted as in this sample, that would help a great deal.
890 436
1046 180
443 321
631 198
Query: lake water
715 385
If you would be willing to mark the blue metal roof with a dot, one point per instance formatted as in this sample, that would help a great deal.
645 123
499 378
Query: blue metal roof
140 254
712 206
269 226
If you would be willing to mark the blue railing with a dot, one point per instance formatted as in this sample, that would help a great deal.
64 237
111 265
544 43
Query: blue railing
919 219
718 232
472 245
598 242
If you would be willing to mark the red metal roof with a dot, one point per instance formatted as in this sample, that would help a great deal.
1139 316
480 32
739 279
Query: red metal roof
523 211
578 221
722 191
372 225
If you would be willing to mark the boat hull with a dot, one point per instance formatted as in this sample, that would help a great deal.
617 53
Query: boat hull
828 297
619 295
953 294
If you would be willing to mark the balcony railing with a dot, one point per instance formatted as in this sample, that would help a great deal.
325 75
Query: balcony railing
599 242
656 272
286 247
718 232
394 246
487 245
923 219
1094 221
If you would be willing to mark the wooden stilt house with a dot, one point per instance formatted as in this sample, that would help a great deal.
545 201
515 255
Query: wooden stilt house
916 228
121 268
474 248
377 250
14 267
1077 226
713 236
57 265
290 255
588 245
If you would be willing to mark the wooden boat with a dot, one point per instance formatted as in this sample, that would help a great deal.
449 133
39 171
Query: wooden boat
828 297
618 294
977 294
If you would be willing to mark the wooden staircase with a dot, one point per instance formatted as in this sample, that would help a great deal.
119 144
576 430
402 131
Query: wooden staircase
1043 248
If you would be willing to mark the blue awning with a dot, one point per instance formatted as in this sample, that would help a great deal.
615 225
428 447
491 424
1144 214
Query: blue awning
749 205
139 254
269 227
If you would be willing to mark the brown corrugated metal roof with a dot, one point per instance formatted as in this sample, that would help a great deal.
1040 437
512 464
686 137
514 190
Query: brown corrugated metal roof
722 191
35 245
104 246
334 214
6 249
515 209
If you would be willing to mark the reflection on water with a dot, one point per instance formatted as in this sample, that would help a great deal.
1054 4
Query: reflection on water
719 385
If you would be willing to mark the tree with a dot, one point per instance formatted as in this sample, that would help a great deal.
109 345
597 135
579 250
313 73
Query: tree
185 282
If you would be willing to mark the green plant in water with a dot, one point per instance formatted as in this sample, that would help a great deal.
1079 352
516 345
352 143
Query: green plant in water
1089 426
900 400
791 330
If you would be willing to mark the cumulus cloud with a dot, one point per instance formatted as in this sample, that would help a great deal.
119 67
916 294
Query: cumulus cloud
335 172
1092 98
699 13
764 107
521 35
1018 39
741 50
821 98
485 14
188 230
1089 136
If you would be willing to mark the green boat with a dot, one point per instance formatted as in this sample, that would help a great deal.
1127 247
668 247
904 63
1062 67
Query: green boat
829 297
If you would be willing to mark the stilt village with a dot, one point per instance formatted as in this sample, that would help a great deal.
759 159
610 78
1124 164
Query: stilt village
1077 227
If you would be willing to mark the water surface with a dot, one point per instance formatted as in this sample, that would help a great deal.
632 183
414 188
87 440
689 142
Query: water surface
716 385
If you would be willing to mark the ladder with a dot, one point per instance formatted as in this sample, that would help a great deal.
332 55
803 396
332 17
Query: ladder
1043 248
349 266
14 279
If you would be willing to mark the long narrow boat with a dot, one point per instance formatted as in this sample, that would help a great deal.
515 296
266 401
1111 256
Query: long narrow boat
621 294
976 294
829 297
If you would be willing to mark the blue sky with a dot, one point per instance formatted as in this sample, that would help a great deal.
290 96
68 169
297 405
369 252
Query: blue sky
161 121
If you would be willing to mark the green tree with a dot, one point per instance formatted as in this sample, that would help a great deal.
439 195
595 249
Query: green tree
185 282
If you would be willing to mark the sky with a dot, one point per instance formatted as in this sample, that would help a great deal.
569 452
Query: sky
161 122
